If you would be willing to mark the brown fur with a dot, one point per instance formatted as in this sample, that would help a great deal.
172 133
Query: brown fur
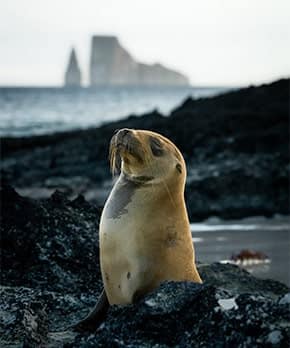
144 228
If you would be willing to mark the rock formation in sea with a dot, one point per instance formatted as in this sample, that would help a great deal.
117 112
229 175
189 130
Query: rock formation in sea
111 64
73 72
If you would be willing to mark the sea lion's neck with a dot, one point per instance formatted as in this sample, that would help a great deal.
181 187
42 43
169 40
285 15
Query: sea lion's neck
122 194
137 179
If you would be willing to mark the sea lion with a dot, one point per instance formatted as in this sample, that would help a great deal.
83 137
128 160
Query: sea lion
145 235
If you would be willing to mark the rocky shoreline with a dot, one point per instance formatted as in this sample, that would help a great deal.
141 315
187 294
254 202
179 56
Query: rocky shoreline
236 146
237 151
50 278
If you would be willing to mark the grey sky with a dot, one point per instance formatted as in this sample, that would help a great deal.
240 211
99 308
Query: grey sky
215 42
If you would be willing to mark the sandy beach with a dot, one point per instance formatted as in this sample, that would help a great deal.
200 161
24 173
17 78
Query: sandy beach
215 242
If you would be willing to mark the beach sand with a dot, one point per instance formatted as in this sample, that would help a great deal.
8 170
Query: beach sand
215 242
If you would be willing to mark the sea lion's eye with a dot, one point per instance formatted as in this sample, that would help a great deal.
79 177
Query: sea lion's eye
156 147
179 167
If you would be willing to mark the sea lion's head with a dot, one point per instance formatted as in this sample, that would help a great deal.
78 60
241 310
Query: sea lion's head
145 155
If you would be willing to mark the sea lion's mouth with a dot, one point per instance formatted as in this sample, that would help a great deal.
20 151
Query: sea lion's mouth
124 143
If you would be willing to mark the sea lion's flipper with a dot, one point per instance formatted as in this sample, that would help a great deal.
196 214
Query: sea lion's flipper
95 317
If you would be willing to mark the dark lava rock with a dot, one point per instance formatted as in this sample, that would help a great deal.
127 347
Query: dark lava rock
177 314
236 280
35 323
28 316
193 315
51 244
232 188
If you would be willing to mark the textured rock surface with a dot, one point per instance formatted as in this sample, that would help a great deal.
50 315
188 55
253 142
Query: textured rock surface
50 278
187 314
53 239
176 314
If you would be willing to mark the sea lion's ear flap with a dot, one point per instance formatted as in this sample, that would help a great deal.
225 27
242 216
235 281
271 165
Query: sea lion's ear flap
179 167
156 146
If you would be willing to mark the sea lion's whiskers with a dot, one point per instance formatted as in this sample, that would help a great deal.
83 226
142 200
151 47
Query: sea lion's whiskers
113 152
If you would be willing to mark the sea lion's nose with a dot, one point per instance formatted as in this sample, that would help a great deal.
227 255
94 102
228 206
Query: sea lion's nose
122 133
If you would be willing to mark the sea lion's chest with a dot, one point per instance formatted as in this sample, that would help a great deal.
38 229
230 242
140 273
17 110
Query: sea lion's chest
121 211
121 241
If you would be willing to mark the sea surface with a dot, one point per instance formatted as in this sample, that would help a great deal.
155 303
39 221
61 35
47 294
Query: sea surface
217 241
34 111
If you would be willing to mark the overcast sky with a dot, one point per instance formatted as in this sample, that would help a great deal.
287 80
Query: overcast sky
214 42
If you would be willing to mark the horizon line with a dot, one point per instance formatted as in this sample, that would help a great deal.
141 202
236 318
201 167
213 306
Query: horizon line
127 86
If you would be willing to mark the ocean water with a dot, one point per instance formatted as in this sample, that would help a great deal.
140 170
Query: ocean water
34 111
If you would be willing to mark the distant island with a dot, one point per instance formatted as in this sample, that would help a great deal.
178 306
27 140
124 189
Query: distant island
111 64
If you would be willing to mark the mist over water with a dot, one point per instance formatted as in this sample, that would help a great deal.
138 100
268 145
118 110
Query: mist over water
35 111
